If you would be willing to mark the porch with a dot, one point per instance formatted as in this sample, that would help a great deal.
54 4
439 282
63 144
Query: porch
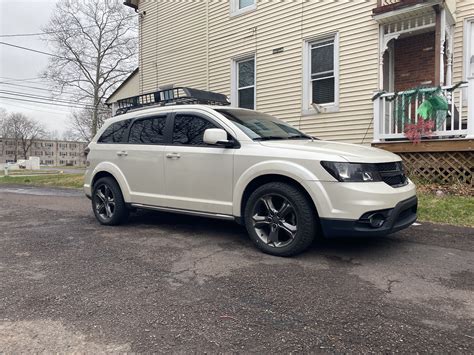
416 45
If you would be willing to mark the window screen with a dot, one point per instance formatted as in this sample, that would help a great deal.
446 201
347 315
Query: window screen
115 132
246 83
189 129
322 71
148 131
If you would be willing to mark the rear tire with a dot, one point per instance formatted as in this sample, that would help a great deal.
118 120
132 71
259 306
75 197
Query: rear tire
107 202
280 219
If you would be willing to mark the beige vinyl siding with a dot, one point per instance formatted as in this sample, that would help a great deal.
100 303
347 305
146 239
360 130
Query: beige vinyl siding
173 44
464 10
279 77
129 89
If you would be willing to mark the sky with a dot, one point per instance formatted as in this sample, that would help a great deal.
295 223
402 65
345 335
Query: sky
21 67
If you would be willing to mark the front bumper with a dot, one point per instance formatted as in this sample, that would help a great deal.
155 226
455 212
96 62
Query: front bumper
397 218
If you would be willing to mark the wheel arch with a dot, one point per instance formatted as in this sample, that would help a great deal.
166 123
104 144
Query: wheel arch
111 170
289 173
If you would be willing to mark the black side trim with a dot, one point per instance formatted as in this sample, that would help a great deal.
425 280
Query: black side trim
400 217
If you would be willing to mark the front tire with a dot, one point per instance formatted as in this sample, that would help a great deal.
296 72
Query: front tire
107 202
280 219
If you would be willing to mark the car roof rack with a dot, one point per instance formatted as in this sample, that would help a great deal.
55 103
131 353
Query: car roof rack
172 96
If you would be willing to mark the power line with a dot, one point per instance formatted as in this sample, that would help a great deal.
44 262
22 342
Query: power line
39 97
38 88
58 111
46 103
51 32
53 55
33 50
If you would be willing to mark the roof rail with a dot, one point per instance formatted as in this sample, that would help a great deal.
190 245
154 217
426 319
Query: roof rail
171 96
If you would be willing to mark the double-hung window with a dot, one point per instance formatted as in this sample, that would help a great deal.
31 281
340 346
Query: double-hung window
321 75
238 7
243 90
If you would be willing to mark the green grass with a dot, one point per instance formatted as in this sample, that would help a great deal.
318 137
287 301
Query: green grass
447 209
59 180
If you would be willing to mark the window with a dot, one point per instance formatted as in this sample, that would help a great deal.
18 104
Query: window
321 75
148 131
189 129
243 83
115 132
238 7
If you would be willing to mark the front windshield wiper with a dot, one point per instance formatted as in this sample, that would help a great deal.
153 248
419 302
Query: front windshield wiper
268 138
300 136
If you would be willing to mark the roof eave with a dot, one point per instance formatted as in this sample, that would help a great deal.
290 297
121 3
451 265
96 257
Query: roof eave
131 3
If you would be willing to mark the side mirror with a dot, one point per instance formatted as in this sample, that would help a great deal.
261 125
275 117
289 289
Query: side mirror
216 136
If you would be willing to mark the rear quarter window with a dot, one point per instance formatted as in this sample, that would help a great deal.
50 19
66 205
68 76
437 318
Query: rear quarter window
115 133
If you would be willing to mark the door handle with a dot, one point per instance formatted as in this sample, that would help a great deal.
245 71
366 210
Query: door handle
122 153
173 155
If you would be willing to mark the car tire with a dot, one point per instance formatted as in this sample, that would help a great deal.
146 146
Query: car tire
107 202
279 230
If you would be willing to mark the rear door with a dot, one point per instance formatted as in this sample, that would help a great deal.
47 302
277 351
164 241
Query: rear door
198 176
141 159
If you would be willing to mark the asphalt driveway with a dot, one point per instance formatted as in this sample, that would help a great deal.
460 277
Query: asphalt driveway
167 283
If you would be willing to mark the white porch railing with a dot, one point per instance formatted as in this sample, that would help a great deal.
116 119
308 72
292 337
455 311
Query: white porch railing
392 112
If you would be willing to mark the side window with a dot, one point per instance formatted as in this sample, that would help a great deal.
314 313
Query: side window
148 131
189 129
115 132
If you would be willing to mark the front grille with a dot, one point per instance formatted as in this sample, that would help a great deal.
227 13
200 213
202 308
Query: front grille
392 174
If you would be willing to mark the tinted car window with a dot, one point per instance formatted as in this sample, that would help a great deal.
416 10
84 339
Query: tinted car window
115 132
189 129
148 131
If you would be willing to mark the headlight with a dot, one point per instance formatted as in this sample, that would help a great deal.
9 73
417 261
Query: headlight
355 172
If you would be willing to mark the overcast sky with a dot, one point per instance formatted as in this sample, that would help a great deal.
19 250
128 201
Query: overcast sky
21 67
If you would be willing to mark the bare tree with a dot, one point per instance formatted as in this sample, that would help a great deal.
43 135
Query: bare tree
81 123
24 132
4 128
95 46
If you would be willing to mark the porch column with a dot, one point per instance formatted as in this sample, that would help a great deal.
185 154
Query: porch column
440 37
470 108
377 118
449 54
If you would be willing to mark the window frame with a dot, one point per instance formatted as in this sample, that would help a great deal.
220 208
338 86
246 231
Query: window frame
307 108
234 93
236 11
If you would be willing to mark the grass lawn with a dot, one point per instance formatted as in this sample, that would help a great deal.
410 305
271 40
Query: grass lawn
57 180
447 209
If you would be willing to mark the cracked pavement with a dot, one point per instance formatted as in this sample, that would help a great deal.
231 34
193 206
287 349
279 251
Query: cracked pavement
170 283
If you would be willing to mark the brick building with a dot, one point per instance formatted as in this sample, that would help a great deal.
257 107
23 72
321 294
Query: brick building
50 152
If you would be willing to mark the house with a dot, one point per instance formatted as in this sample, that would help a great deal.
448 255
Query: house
330 68
50 152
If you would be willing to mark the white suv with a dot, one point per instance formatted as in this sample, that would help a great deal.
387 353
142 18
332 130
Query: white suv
283 185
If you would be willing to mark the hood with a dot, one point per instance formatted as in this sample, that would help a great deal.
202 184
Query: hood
354 153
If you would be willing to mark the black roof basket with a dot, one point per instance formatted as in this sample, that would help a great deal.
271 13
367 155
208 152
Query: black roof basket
172 96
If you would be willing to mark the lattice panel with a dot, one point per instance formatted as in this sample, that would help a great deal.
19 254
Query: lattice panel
441 167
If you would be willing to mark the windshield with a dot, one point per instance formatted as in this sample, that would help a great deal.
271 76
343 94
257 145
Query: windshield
260 126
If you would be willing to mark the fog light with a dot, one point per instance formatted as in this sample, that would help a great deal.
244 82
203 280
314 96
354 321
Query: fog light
377 220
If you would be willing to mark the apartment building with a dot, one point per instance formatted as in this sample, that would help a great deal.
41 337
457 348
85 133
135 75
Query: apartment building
50 152
339 70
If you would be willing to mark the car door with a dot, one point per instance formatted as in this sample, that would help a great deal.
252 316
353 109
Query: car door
141 159
198 176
